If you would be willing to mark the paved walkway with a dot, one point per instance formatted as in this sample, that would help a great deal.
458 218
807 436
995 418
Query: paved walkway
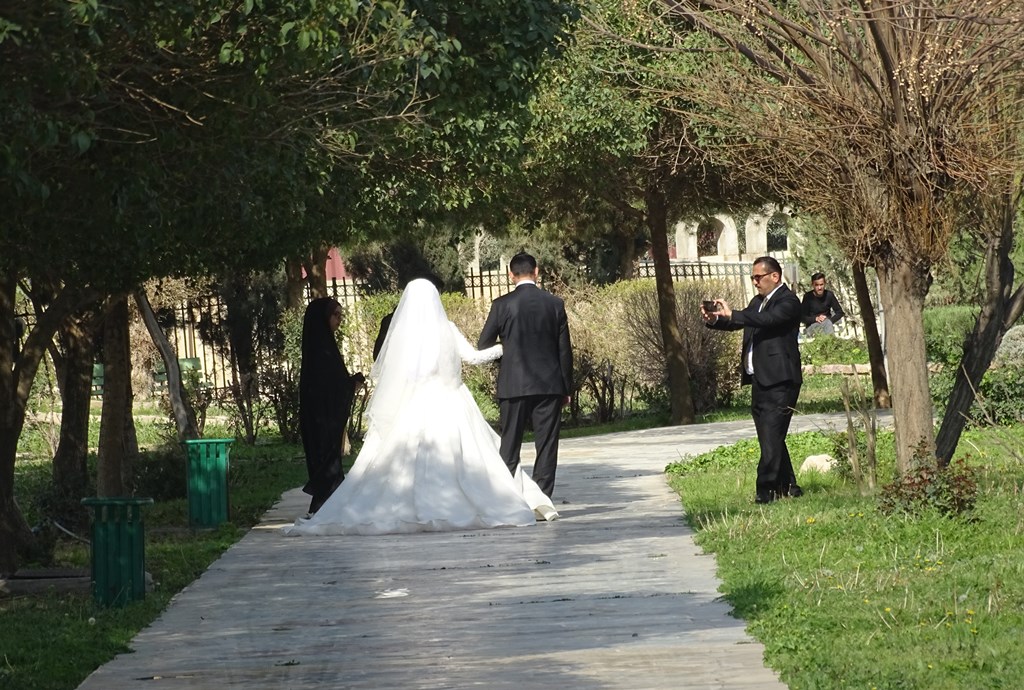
614 595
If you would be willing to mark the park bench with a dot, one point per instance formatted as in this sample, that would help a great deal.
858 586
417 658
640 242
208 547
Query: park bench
97 380
188 365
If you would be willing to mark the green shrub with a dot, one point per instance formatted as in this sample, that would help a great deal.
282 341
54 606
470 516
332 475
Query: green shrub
951 491
1000 399
279 386
1011 348
42 500
828 349
160 474
291 332
945 329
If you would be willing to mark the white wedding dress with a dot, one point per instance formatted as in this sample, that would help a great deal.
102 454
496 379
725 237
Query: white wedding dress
429 461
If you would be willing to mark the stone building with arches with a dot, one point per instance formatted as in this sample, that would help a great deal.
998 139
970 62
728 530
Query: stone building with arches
717 238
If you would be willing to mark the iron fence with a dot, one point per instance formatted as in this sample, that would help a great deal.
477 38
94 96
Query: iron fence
698 270
188 325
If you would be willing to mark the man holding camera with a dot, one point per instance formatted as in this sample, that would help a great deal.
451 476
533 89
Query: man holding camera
771 364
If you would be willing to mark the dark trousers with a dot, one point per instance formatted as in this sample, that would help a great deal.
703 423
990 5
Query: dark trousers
772 409
545 414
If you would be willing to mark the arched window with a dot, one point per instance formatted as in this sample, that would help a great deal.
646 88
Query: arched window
708 233
778 233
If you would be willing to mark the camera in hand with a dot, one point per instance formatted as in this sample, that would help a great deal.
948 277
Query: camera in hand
710 306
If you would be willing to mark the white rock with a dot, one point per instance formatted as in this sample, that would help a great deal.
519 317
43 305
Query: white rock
818 463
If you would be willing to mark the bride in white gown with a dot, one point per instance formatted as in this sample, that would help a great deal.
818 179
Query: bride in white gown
430 461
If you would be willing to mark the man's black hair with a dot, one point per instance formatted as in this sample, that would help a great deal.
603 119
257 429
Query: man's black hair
522 264
770 263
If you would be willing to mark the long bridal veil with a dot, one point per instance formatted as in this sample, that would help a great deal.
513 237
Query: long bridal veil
419 350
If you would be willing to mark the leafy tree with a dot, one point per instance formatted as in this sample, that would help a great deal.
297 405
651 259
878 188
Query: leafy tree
190 138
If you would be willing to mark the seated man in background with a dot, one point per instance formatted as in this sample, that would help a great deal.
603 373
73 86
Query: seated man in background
821 310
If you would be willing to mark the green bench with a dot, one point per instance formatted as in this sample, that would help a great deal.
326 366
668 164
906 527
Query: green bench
187 364
97 380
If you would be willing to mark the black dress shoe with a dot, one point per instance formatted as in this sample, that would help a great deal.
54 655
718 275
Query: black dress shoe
791 491
765 497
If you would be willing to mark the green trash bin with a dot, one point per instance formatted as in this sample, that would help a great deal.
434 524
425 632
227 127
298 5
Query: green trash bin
118 550
208 481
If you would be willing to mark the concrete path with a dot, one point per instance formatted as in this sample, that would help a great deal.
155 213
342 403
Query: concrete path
613 595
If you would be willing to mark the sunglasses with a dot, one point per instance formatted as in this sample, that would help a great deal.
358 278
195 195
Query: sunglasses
756 277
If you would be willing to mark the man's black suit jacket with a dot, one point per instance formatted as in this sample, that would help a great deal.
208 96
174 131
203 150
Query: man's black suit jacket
534 332
773 332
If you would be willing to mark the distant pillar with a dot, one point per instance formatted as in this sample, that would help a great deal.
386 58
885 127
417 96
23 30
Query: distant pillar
686 241
756 232
728 239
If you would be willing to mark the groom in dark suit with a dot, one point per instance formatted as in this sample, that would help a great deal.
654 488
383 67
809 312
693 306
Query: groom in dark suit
771 363
535 377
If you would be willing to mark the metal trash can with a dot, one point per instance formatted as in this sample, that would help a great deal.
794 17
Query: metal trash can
208 481
118 550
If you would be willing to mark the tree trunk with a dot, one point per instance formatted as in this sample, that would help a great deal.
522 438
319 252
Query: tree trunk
627 253
131 437
997 314
680 394
16 538
70 469
241 384
116 368
903 289
241 341
879 379
296 289
184 414
15 383
15 535
316 272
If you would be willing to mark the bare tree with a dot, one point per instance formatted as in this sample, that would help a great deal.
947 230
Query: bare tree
885 117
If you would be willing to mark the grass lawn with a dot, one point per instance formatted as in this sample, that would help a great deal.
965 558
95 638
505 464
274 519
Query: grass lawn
844 596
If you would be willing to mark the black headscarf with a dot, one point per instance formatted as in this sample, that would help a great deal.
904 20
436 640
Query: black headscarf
325 398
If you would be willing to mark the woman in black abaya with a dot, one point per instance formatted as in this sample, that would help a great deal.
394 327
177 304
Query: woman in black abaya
326 390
